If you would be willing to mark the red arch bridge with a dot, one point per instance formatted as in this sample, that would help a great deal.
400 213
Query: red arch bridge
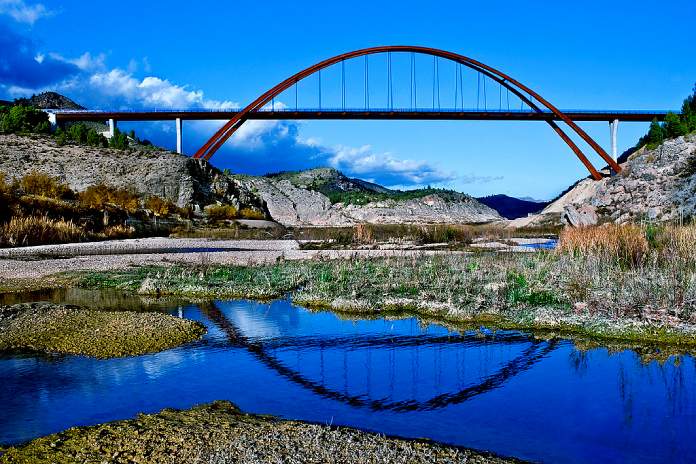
393 82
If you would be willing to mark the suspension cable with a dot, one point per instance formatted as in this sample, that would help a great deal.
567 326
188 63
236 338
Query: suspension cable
367 84
410 94
438 81
343 84
295 95
433 82
456 85
478 90
461 83
319 73
390 96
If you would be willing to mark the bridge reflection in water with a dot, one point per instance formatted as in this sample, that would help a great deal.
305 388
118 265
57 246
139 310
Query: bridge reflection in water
505 392
397 371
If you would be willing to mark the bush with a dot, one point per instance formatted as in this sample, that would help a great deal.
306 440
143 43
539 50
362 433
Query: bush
250 213
20 118
38 183
95 139
78 132
220 212
160 207
119 140
100 195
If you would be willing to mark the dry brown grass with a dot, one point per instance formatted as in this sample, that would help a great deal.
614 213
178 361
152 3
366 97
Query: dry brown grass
38 183
221 212
159 206
624 243
99 195
37 230
250 213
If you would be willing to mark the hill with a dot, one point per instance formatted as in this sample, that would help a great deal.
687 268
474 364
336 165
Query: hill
49 100
511 207
655 184
326 197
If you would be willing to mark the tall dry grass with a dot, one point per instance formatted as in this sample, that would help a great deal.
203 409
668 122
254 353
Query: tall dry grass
38 230
623 243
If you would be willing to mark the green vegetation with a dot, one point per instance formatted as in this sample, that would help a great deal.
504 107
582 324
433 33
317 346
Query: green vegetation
637 284
23 119
674 125
102 334
357 197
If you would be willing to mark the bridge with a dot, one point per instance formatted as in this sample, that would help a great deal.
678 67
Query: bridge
488 84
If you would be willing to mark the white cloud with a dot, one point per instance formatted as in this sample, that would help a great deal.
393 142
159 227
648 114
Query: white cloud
21 12
151 91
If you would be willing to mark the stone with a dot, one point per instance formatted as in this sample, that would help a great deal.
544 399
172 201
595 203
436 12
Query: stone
582 216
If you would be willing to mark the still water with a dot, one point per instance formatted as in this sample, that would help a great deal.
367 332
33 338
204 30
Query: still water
504 392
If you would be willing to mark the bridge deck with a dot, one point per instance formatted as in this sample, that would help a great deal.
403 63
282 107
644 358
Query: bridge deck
385 114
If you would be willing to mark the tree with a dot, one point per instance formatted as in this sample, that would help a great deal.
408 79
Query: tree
119 140
95 139
78 132
22 118
656 134
674 126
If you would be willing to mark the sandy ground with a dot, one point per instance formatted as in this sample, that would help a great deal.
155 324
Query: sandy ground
39 261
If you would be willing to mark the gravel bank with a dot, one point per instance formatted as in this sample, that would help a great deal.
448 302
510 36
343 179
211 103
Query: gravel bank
220 433
103 334
40 261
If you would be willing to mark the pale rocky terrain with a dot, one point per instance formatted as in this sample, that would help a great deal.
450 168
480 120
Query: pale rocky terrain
294 202
187 181
655 185
181 179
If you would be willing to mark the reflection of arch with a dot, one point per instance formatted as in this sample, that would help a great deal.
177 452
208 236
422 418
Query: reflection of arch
523 92
529 357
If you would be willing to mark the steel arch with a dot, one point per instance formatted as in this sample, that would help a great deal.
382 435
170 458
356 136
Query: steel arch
516 87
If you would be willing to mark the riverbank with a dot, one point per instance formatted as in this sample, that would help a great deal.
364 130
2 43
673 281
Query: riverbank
67 329
586 296
219 433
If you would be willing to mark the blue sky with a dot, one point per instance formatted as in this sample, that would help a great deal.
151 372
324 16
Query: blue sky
586 55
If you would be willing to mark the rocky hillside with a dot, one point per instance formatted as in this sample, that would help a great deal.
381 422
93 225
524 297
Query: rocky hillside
325 197
511 207
183 180
655 184
50 100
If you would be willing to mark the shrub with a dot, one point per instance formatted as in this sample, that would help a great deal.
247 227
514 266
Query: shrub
119 140
38 183
220 212
78 132
99 195
159 206
21 118
250 213
95 139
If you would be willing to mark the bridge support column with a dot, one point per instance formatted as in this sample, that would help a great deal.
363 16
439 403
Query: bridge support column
112 127
613 130
179 136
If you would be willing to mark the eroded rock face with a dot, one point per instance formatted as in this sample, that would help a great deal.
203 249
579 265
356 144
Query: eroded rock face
181 179
582 216
294 206
656 185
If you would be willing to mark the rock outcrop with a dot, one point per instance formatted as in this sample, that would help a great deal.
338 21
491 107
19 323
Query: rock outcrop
183 180
302 199
655 184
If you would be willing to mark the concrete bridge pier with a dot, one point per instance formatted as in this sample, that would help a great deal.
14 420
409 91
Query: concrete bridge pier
112 127
179 136
613 131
